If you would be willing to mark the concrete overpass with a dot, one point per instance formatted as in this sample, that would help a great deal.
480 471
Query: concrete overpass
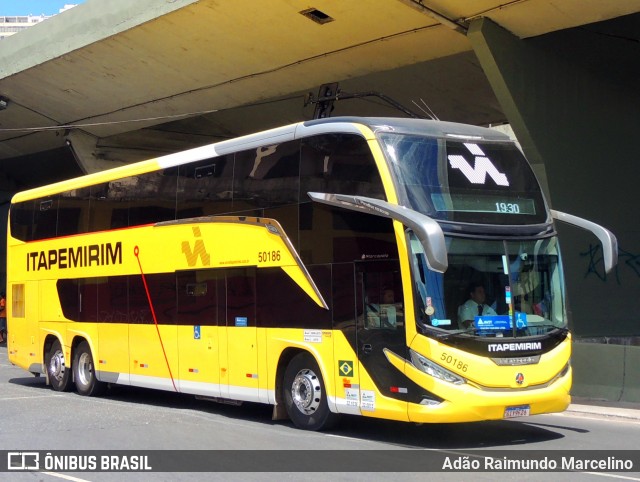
113 82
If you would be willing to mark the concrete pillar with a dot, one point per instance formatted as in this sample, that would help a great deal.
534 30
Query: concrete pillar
571 98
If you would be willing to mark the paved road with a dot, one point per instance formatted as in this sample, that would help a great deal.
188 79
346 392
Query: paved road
36 418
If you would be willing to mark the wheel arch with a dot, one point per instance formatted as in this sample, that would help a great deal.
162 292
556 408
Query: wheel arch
285 358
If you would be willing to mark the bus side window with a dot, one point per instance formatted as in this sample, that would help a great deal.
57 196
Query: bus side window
383 301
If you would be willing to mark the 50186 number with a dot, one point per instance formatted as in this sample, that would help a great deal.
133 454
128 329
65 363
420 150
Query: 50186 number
268 256
454 362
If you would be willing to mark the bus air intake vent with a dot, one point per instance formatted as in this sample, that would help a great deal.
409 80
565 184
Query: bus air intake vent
317 16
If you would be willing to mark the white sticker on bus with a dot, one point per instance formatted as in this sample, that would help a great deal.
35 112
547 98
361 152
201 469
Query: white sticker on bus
368 400
351 395
313 336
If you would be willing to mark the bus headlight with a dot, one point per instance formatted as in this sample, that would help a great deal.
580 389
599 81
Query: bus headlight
435 370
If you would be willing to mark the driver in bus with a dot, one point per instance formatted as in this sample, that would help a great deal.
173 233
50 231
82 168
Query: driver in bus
474 306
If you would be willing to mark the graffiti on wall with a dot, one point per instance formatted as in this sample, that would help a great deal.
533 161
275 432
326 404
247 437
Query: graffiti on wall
595 263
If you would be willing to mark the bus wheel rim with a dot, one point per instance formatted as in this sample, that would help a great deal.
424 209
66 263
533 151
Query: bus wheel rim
306 391
56 365
85 369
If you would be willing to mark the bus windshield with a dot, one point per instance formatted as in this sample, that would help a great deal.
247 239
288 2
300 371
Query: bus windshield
464 180
491 288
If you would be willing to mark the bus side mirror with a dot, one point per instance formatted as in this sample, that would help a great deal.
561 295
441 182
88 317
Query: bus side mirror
426 229
606 237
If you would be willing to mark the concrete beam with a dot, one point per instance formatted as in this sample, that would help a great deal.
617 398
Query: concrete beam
94 20
86 153
501 57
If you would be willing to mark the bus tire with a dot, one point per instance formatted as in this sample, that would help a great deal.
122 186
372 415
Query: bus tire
304 394
84 373
58 371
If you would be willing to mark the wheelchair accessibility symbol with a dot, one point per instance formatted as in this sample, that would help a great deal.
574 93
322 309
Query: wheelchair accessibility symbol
196 332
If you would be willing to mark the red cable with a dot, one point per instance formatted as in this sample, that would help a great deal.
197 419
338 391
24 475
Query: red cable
136 252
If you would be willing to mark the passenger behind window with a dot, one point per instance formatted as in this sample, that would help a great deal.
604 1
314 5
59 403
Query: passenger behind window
386 314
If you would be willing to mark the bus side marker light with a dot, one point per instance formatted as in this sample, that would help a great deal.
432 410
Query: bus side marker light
398 390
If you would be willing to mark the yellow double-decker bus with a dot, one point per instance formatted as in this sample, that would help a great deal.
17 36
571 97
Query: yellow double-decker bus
393 268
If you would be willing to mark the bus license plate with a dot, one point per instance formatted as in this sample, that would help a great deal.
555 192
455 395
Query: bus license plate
520 411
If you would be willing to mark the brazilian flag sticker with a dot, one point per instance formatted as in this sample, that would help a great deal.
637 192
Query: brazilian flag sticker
345 368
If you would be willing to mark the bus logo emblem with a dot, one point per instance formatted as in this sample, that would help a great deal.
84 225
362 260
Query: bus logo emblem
481 168
198 251
519 378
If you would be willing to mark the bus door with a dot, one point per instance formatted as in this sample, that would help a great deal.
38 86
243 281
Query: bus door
239 361
200 309
380 325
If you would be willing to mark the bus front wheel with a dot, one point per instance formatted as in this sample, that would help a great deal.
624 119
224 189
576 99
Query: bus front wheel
57 369
84 373
305 396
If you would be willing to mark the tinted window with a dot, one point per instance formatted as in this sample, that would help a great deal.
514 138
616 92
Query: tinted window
475 182
339 164
299 310
68 296
150 197
267 177
73 208
114 300
109 208
22 220
331 235
162 290
241 297
344 300
205 188
119 299
200 297
45 218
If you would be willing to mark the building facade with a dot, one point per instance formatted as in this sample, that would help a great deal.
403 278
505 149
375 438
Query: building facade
10 25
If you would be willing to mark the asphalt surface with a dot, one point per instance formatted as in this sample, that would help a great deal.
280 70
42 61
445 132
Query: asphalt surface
580 406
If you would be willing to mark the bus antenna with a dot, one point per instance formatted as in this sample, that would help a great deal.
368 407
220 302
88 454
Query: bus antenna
330 93
428 112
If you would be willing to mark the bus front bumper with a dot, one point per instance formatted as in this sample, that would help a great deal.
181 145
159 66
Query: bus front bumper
465 403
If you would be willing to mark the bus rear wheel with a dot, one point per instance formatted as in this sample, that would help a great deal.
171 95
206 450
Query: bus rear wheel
305 396
57 369
84 373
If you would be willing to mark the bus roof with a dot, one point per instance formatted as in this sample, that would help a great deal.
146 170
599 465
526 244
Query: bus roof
277 135
435 128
